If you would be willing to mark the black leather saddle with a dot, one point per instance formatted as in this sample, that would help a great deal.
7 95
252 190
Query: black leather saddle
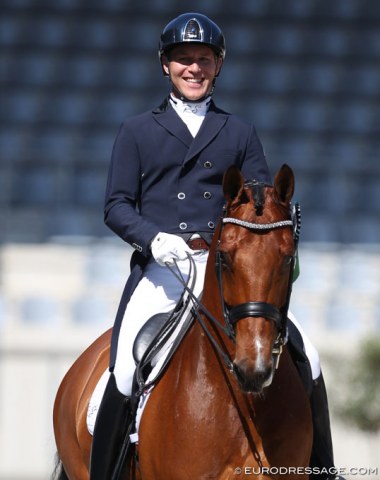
148 333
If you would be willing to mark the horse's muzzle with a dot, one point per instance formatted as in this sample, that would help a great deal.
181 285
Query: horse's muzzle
253 380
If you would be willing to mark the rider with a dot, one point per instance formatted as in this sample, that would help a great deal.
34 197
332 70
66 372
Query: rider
164 198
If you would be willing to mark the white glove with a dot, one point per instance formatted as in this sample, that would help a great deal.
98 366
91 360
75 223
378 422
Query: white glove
166 248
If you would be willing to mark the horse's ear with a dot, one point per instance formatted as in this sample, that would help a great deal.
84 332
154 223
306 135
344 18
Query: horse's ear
233 184
284 184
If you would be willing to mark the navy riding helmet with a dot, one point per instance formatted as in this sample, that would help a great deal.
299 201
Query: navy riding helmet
192 28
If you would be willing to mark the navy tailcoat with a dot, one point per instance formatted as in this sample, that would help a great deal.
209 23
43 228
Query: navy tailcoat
161 179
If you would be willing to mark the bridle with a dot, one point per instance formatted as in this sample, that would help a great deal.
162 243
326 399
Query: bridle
232 315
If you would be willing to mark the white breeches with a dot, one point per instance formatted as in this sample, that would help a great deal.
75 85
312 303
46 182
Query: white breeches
157 292
310 350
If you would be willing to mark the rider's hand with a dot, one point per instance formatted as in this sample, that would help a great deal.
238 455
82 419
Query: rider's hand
166 248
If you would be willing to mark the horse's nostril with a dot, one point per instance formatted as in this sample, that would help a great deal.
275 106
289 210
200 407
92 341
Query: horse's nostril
252 379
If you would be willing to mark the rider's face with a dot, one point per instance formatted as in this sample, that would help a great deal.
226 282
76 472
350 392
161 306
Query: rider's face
192 69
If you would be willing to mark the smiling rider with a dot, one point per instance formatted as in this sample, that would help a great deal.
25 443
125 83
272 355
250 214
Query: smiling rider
164 197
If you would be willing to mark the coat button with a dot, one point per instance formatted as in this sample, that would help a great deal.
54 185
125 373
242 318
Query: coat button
207 195
207 164
137 247
181 195
183 226
211 225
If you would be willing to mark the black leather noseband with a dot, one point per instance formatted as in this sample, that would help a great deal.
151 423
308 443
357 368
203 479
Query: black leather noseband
255 309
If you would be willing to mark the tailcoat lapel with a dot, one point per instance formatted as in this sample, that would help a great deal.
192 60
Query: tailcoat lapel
211 126
214 121
166 116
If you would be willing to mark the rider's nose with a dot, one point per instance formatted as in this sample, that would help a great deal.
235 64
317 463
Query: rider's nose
194 67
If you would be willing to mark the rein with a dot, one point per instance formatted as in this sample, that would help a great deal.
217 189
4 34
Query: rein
199 309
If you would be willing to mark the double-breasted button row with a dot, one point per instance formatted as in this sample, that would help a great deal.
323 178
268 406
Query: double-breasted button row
183 225
182 196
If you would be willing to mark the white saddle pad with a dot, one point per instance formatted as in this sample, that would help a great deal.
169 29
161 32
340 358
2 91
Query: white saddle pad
157 363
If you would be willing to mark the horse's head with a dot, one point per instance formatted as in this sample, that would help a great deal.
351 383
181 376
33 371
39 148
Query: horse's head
255 255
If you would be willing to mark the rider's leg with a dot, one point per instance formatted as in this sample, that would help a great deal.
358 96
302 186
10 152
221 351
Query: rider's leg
322 456
310 351
158 291
110 428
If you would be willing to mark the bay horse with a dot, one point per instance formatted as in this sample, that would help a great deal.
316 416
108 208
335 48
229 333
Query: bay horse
229 404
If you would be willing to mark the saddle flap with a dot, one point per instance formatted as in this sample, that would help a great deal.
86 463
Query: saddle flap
148 333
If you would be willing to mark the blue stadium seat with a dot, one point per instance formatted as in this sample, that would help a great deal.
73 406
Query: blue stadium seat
9 30
50 30
58 144
274 77
339 9
320 227
317 78
83 70
32 69
74 221
324 41
366 44
267 114
363 193
35 187
283 40
97 143
242 38
86 185
308 116
141 33
300 152
132 72
361 228
342 154
68 107
22 106
355 117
